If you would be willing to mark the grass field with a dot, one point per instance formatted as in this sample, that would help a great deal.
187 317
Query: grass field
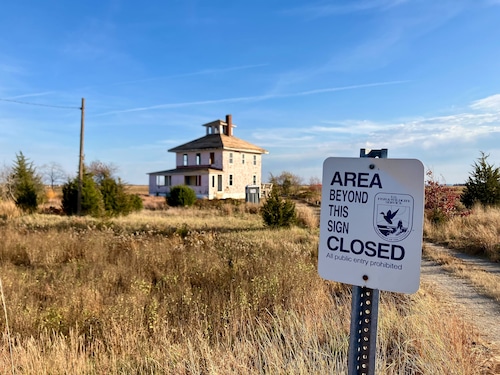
477 233
198 291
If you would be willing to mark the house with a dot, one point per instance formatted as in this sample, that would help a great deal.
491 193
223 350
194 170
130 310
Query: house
216 166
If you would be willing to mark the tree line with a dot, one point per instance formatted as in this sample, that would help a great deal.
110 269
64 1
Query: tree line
102 193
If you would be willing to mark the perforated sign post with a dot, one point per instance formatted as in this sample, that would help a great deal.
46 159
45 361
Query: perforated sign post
371 237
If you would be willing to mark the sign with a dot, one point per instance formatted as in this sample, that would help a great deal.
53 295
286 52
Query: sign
371 222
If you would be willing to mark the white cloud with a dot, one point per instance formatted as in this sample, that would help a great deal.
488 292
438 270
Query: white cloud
317 11
427 137
489 103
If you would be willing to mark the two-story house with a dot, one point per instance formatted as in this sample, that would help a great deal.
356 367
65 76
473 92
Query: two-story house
218 165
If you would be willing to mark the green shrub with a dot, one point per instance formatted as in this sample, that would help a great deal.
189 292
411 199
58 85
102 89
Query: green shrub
278 212
483 184
115 198
135 202
101 195
181 195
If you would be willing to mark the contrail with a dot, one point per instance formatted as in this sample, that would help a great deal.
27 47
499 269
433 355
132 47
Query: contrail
252 98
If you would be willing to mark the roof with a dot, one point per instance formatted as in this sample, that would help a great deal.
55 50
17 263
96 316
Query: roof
186 170
217 142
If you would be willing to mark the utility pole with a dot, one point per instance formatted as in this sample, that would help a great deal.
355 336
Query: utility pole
80 163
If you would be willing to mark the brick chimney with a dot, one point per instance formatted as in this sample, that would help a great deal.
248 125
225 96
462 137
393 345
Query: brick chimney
229 122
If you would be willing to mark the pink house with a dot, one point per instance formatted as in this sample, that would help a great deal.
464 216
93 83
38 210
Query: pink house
218 165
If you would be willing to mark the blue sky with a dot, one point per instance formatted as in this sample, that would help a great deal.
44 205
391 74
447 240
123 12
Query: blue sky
305 80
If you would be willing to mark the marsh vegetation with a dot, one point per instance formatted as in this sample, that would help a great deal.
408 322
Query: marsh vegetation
204 290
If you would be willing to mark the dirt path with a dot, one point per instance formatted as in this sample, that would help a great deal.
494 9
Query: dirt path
483 312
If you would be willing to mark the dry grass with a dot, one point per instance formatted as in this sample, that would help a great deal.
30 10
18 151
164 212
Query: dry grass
477 233
306 217
9 210
199 291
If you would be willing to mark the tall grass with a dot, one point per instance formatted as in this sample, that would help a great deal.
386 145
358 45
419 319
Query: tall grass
9 210
199 292
477 233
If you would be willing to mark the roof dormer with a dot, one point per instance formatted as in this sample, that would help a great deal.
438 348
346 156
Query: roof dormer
221 127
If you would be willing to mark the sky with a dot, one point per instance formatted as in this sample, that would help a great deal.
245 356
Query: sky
304 79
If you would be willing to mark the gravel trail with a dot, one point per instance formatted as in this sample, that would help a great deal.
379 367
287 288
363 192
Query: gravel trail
483 312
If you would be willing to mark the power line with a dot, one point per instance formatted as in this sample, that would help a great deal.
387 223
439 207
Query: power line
39 104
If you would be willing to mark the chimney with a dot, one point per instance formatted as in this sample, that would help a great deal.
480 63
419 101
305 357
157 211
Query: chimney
229 122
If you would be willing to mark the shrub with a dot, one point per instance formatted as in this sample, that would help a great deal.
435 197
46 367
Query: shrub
441 201
181 195
101 195
483 184
278 212
116 200
135 202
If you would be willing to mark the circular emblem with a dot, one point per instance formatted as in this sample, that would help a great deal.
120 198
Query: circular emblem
393 216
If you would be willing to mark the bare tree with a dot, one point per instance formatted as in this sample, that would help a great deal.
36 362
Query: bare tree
287 183
101 170
53 174
6 183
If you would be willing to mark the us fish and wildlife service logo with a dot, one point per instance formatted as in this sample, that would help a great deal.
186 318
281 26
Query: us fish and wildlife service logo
393 216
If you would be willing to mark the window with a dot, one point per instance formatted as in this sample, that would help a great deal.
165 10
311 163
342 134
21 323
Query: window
198 159
213 181
219 182
255 160
230 180
185 159
254 180
212 158
192 180
242 158
168 180
230 158
160 180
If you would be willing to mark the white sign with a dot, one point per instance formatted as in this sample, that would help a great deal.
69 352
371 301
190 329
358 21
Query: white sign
372 222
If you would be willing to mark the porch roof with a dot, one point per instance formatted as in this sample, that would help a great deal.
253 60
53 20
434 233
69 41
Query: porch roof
189 170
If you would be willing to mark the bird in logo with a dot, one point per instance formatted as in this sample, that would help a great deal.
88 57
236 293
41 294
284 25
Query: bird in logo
389 215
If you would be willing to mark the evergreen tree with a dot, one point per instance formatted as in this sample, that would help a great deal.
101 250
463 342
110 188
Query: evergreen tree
483 184
101 195
26 185
92 202
278 212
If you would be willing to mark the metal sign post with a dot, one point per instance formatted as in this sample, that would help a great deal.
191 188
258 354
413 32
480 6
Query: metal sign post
364 316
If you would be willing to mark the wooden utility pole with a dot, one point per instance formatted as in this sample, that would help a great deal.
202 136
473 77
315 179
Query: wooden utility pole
80 164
